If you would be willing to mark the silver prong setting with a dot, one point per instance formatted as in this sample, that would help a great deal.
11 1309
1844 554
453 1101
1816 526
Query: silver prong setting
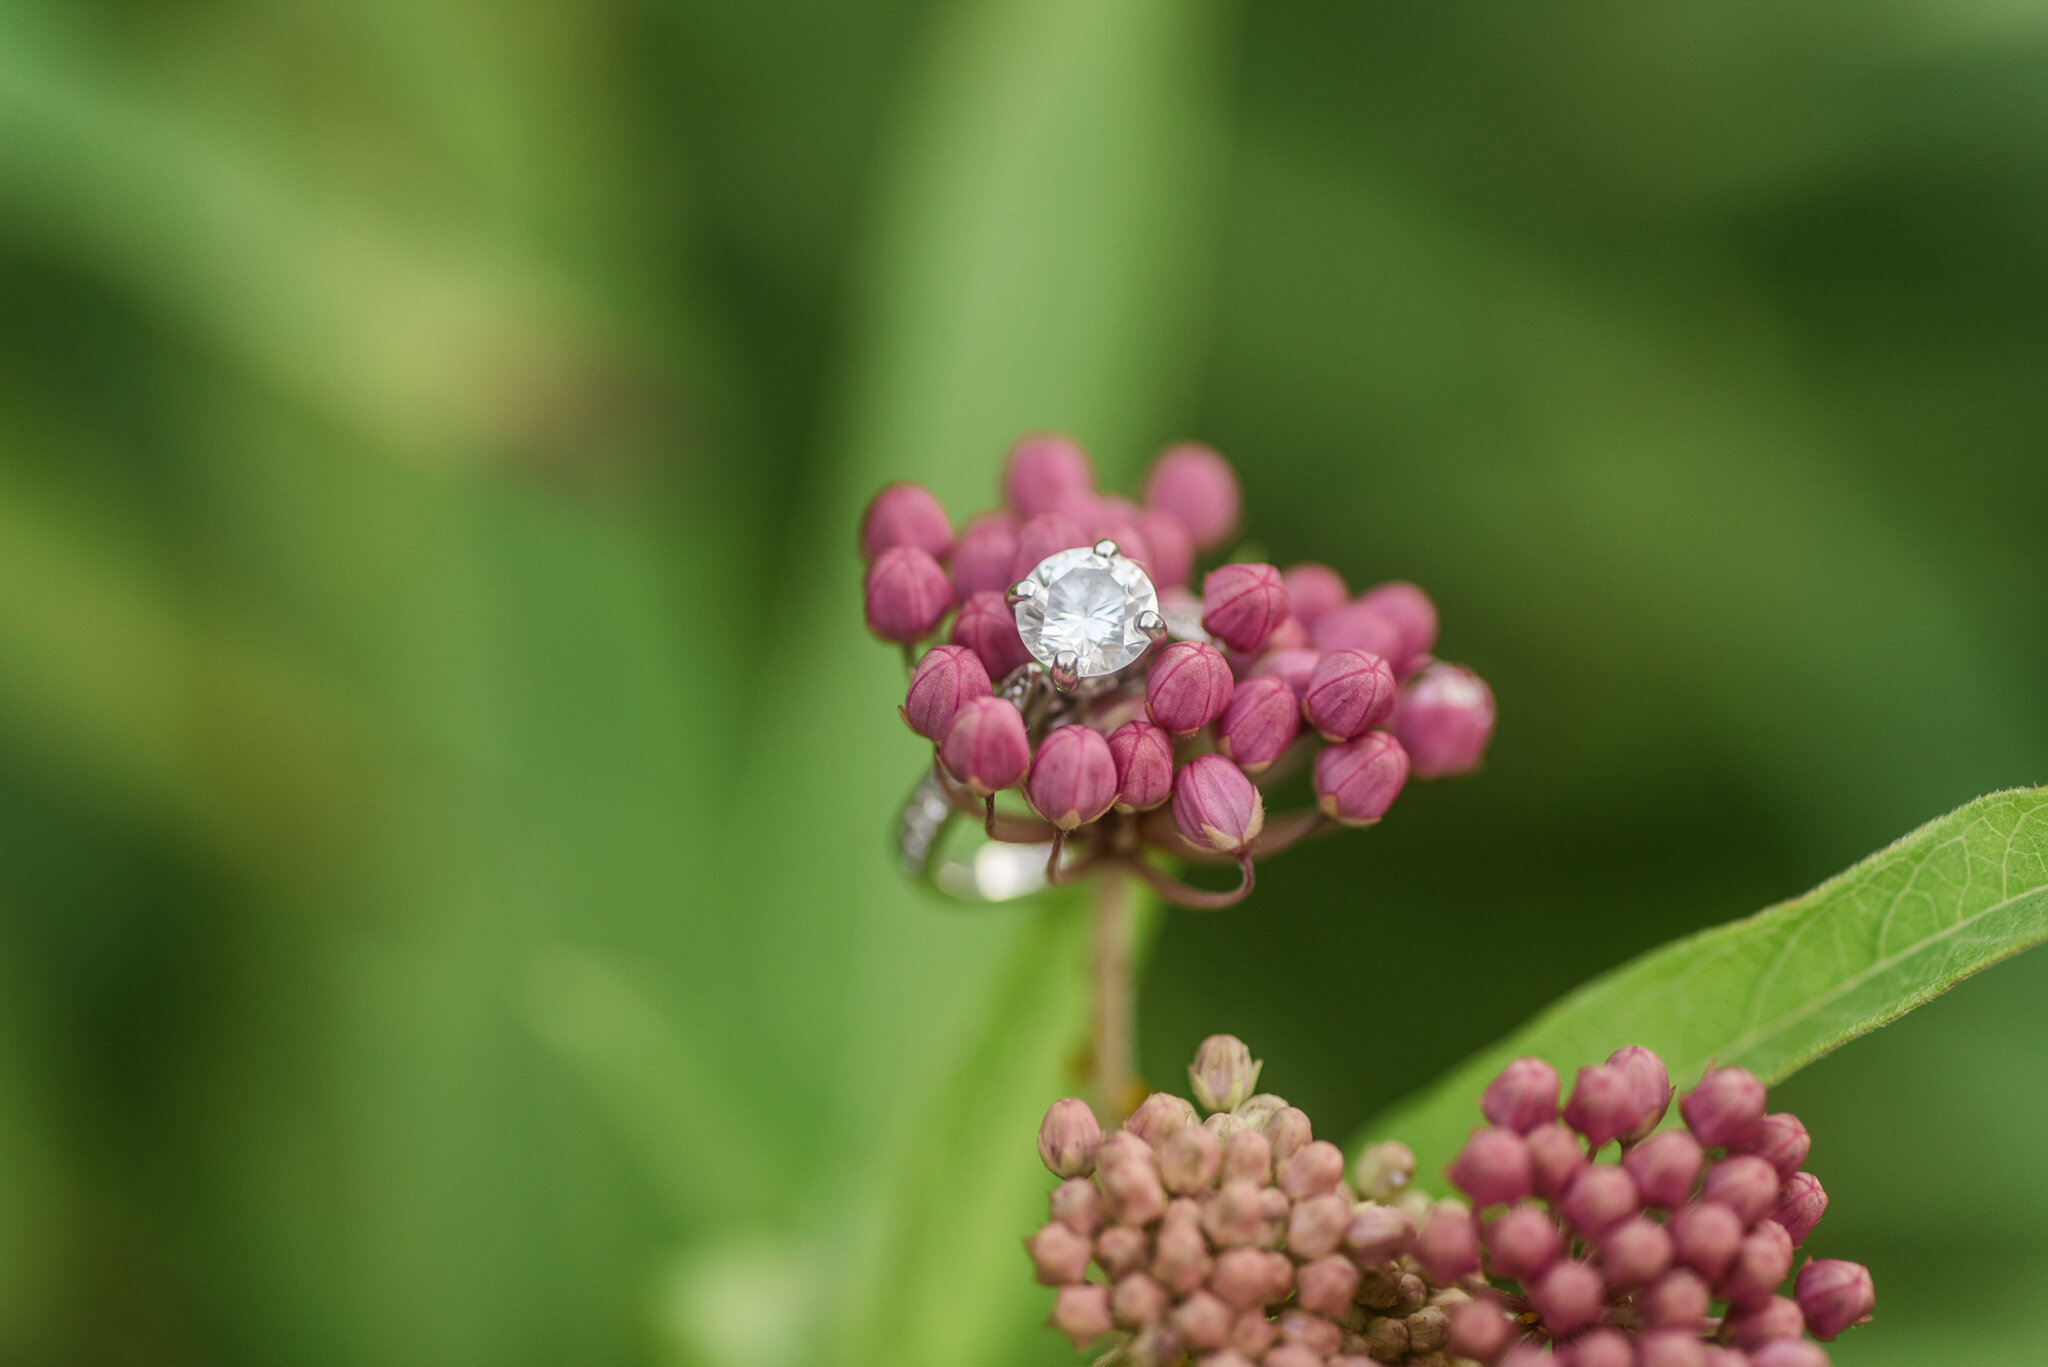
1066 671
1154 627
1107 549
1021 592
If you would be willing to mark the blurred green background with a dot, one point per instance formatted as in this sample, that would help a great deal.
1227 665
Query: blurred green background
445 907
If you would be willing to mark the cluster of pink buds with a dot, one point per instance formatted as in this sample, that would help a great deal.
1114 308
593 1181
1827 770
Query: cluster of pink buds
1238 1240
1672 1255
1057 649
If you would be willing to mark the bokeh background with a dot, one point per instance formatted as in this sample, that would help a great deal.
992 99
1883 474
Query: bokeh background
445 907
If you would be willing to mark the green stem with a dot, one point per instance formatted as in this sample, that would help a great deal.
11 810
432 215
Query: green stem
1114 1014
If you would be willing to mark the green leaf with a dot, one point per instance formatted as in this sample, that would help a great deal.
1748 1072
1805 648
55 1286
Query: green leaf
1778 989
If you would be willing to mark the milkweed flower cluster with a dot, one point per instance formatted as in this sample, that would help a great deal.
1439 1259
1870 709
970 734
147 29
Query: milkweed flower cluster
1060 649
1240 1238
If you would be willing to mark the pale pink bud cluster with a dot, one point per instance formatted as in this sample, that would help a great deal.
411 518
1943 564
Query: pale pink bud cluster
1675 1254
1237 1239
1285 671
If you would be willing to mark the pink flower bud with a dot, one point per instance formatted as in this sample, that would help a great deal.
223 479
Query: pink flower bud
1188 687
1676 1300
1251 1333
1248 1157
1046 473
1314 1169
1726 1110
1801 1203
905 515
1242 605
1241 1277
1161 1114
1204 1321
1313 591
1745 1184
1600 1199
1762 1260
1522 1243
1376 1233
1076 1204
1704 1237
987 749
1224 1071
1350 693
1358 626
1215 806
1120 1249
946 677
1044 535
987 626
1603 1104
1260 723
1274 1206
1493 1168
907 594
1082 1313
1143 756
1059 1255
1073 781
1121 1146
1172 549
1182 1260
1652 1089
1527 1353
1776 1318
1834 1295
1326 1285
1188 1159
1316 1226
1599 1348
1357 781
1480 1329
1782 1141
1131 1192
1289 1132
1068 1136
1237 1215
1137 1301
1310 1330
1447 1245
1522 1096
1555 1159
1293 1355
1411 612
1229 1357
1569 1296
1291 667
1445 715
1197 486
1634 1253
1665 1167
1789 1353
1670 1348
983 555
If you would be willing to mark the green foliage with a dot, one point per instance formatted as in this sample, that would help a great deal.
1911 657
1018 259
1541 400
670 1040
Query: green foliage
1775 991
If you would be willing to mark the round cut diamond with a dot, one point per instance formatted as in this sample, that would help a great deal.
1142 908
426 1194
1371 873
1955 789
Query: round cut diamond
1087 603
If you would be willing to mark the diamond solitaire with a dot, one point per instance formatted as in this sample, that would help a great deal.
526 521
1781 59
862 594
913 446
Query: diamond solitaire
1086 613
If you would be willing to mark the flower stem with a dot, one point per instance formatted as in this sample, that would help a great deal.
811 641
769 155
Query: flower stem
1115 1026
